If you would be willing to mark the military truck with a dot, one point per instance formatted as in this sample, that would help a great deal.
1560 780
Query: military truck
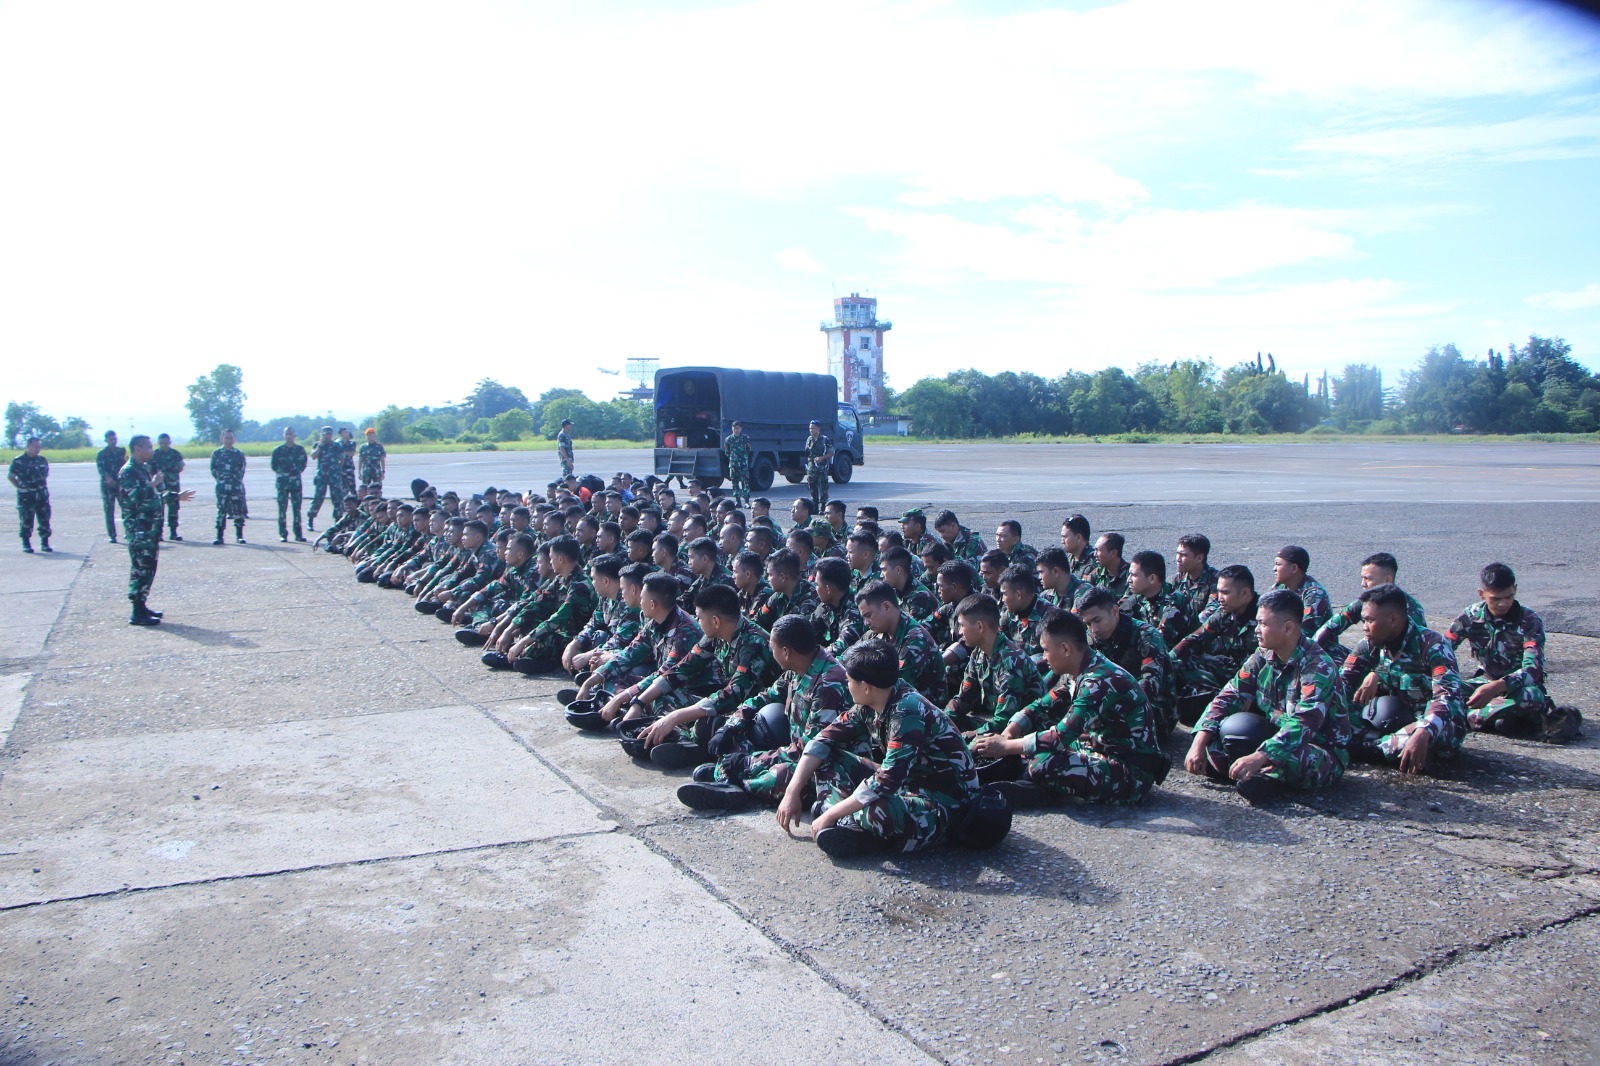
696 407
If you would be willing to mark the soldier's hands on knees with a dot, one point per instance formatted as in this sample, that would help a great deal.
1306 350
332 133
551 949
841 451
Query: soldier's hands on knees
1249 766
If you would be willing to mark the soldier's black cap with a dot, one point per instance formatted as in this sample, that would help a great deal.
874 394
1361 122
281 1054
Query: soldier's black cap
566 421
814 422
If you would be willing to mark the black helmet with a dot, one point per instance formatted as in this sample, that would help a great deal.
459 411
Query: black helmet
1243 732
631 735
1387 714
986 823
770 730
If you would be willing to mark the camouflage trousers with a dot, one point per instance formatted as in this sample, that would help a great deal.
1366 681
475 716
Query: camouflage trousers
1205 673
231 503
326 488
170 503
142 553
33 506
765 773
108 503
1454 734
1087 775
568 466
547 646
370 487
1314 766
817 485
289 499
1524 706
908 820
739 475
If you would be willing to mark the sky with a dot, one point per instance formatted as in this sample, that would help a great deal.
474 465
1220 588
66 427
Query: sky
372 203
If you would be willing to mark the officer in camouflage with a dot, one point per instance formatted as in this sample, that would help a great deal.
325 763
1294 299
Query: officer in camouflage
140 490
288 463
169 464
819 457
737 447
372 461
108 462
227 469
328 481
30 476
564 449
1507 693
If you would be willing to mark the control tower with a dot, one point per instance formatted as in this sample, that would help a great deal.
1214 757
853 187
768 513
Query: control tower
855 351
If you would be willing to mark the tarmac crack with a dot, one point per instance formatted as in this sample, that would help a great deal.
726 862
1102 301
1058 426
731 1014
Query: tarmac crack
1438 963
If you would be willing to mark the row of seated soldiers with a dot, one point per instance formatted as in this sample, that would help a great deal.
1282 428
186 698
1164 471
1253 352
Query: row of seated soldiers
908 688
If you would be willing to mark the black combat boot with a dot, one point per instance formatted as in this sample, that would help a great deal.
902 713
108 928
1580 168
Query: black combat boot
142 617
27 545
44 545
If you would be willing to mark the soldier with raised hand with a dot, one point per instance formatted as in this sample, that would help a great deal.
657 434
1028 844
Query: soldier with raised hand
227 469
372 461
819 458
1292 683
1508 692
169 463
1405 687
30 476
328 481
139 489
737 447
288 463
109 462
1091 737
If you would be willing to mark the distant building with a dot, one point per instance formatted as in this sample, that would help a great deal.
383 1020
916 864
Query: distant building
855 351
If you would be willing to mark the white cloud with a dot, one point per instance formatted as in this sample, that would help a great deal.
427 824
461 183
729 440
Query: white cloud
798 259
1578 300
1524 140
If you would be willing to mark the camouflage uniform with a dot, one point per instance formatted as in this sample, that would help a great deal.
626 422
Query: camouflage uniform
802 601
1116 584
612 625
968 545
1213 653
511 585
1084 567
919 602
1137 647
168 462
750 603
1023 555
1319 605
109 462
810 701
1421 670
924 779
1509 649
564 453
373 462
816 450
568 604
141 525
1024 629
921 658
288 463
743 664
1305 699
1197 595
697 585
328 481
994 687
1164 612
347 465
664 650
1092 736
737 445
838 627
1327 635
227 467
1066 601
33 494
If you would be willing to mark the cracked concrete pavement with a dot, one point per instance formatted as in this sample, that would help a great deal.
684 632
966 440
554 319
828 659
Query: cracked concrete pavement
299 823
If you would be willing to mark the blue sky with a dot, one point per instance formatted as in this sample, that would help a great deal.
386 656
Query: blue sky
363 203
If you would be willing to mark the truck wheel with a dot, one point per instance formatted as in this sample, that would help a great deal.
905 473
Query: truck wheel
711 482
794 477
761 472
842 470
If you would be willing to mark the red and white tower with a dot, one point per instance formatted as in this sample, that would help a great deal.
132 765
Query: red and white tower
855 351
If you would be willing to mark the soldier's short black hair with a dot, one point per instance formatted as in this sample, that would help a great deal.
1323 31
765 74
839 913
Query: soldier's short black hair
1383 561
589 520
939 551
1096 599
866 510
455 522
1151 564
503 535
635 573
404 508
803 537
667 541
641 536
695 520
607 566
867 526
566 547
1012 526
1115 541
629 511
878 592
1054 559
761 532
164 436
762 500
1387 596
1198 543
718 599
866 539
133 442
874 662
524 541
958 572
764 521
747 560
995 558
891 538
980 608
1020 576
1283 603
804 502
1497 577
1078 524
896 557
609 527
834 505
784 562
796 633
662 587
1066 626
703 546
488 509
1238 574
1295 555
946 517
833 571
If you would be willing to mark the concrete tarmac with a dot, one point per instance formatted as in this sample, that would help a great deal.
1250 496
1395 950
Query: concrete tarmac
298 822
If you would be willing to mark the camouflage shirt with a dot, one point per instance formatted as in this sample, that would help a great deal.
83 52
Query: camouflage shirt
916 746
810 701
1084 568
1025 628
1116 584
140 499
918 602
330 459
169 464
743 663
373 459
1023 555
109 461
996 685
288 462
32 473
838 626
1068 600
1319 606
750 603
1137 647
1329 632
666 651
1303 696
609 620
1510 649
1197 594
802 601
227 467
573 602
1223 633
967 545
921 658
1421 668
1164 612
1101 710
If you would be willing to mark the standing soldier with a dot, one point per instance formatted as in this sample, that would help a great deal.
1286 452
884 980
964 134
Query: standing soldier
288 463
374 463
30 473
227 468
347 460
140 490
328 481
819 456
109 462
738 448
168 462
569 465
